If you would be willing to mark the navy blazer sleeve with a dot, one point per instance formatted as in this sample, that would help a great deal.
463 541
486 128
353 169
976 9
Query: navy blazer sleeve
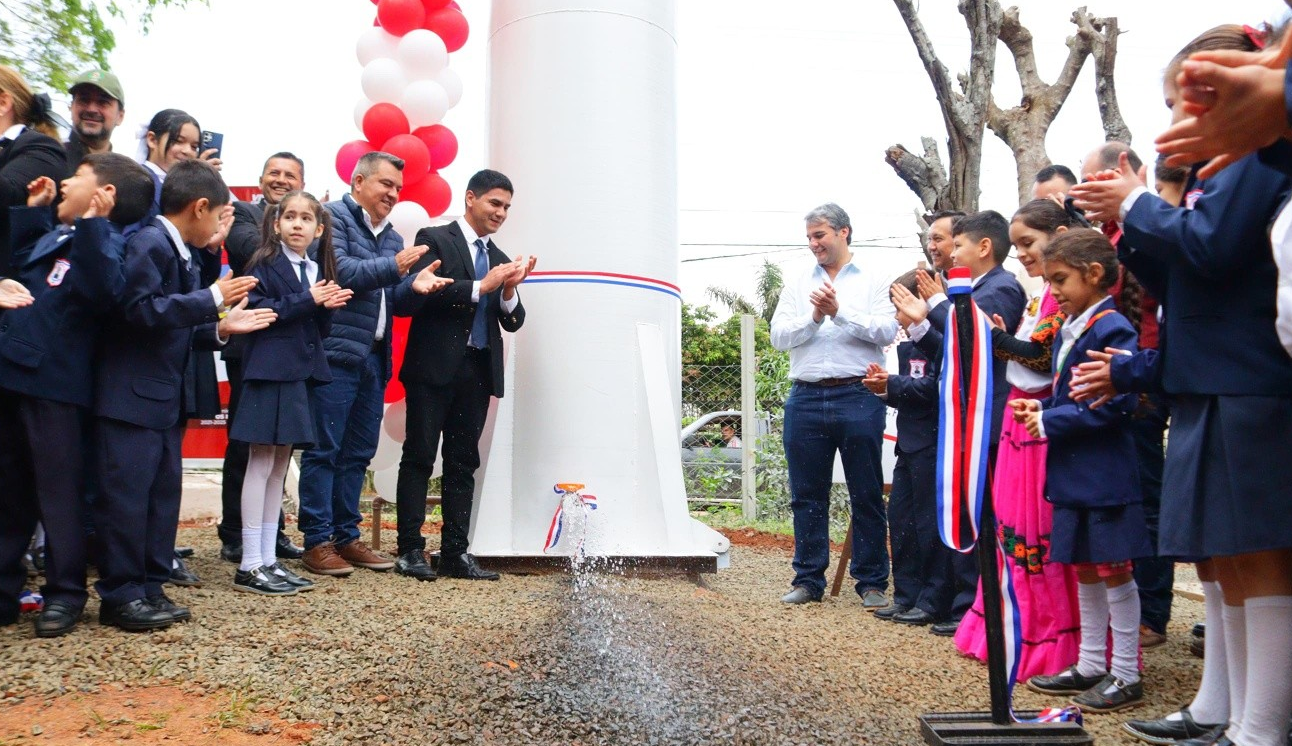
1138 373
145 301
27 225
99 248
1230 216
1064 418
268 293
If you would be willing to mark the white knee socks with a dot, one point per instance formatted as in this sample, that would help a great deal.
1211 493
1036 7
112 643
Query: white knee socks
1211 703
1123 613
262 498
1092 602
1269 659
1236 658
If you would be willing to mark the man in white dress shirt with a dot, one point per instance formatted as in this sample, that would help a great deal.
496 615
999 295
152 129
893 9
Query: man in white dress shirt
835 319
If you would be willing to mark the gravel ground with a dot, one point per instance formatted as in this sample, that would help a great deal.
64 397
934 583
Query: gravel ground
380 659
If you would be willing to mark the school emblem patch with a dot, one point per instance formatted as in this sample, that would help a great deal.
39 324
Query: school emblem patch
57 274
917 368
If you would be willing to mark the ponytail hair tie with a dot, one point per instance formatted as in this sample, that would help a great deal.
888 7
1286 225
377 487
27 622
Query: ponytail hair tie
1259 36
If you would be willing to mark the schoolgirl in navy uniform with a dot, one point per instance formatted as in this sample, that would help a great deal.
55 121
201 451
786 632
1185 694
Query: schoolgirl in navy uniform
279 365
1227 485
1091 478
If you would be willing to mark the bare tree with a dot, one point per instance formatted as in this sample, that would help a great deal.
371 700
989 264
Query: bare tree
966 111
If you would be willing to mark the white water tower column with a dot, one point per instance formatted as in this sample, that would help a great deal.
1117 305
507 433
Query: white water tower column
583 119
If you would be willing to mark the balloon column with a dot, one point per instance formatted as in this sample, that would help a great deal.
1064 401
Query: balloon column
407 89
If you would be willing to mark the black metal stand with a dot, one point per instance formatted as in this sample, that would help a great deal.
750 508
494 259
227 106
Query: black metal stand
996 727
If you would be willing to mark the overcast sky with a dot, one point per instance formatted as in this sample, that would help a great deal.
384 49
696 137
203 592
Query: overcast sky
782 107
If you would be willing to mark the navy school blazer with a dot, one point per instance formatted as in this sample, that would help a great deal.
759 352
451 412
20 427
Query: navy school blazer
1091 462
291 348
913 392
47 348
163 313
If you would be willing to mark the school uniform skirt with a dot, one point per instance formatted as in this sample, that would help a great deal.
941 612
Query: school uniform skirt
1227 484
1116 534
275 413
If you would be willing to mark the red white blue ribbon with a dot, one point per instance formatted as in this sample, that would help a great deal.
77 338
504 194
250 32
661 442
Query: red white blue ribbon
964 430
567 491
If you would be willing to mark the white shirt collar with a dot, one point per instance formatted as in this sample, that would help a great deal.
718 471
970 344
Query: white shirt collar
1074 328
155 169
176 238
295 258
13 132
367 221
469 233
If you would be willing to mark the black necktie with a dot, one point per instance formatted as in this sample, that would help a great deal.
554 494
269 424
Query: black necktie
305 279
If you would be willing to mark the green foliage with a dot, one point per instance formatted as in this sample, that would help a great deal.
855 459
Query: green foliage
52 41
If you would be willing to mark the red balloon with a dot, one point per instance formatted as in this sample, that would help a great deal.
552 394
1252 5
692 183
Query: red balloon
401 16
440 142
382 122
417 159
348 155
453 5
432 193
451 26
434 5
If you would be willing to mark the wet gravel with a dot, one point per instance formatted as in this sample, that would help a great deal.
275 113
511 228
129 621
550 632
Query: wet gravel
551 659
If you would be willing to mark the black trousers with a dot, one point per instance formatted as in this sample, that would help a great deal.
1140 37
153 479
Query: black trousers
235 468
922 565
456 411
42 465
137 507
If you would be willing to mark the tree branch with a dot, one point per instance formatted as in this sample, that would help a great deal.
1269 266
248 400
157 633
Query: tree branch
926 176
1101 34
939 76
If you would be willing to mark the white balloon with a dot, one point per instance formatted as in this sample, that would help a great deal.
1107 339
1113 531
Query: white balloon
360 109
424 103
373 43
451 84
407 218
389 449
386 481
383 80
422 53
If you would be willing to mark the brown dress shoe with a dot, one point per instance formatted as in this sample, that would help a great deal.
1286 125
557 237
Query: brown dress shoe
1148 638
360 554
324 560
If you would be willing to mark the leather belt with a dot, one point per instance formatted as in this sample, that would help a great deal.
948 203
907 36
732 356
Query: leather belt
831 382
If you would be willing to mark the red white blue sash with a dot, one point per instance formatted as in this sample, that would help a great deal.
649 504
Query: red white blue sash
964 431
572 498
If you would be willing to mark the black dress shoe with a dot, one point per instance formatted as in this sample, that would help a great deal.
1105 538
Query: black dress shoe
890 611
945 629
136 616
181 575
281 572
917 617
464 566
231 553
162 602
57 618
1214 738
414 565
183 552
1199 630
285 549
1166 731
263 582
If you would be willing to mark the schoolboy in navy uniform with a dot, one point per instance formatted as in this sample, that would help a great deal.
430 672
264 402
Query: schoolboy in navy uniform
141 393
46 386
922 572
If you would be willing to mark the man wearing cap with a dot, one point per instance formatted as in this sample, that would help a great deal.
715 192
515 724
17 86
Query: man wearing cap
98 106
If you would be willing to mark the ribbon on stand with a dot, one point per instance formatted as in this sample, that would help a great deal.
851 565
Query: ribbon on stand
572 497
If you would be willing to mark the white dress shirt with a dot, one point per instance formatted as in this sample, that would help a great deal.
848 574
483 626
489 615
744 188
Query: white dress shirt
842 346
311 266
471 236
375 229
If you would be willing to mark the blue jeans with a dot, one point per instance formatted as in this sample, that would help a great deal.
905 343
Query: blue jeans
347 415
820 420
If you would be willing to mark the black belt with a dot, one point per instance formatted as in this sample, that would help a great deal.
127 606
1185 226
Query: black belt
831 382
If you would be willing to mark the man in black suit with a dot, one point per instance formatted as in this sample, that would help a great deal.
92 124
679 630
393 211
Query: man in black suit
452 365
283 172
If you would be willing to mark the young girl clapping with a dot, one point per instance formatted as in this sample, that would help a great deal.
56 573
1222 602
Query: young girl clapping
1091 478
279 365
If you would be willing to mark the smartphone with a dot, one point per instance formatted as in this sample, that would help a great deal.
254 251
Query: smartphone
211 140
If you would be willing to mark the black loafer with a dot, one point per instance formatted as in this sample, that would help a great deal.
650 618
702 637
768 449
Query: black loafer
263 582
57 619
231 553
162 602
945 629
890 611
1067 681
917 617
279 571
1164 731
1216 737
1199 630
800 595
1110 695
464 566
183 552
135 616
414 565
181 575
285 549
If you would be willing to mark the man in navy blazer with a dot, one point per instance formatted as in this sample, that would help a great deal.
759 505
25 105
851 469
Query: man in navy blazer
452 366
141 392
46 383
